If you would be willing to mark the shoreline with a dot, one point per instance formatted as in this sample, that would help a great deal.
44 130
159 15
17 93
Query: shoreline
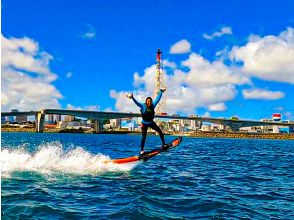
198 134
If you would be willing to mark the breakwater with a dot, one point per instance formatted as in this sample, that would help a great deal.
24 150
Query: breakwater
212 134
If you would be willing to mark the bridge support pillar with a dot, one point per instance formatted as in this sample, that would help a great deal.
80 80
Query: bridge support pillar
98 126
40 122
235 126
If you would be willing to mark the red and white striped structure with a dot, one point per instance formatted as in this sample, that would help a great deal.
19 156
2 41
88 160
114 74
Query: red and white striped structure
276 117
159 83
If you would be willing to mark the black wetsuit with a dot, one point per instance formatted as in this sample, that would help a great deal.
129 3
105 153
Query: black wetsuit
148 116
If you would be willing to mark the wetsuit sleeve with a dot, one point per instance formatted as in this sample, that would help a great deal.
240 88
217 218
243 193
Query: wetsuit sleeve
157 98
140 105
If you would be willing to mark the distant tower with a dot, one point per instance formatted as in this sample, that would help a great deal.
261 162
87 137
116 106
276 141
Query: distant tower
276 117
159 83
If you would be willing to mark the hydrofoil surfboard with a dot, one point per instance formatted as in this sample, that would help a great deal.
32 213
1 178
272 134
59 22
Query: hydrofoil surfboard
147 155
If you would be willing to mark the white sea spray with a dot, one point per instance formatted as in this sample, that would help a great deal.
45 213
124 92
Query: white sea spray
51 157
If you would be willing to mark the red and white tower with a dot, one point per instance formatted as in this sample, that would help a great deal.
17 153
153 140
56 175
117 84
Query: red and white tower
159 83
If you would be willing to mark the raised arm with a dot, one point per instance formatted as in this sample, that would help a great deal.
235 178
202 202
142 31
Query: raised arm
140 105
130 96
158 97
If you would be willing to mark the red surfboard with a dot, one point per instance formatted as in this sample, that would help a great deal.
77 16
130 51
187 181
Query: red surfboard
147 155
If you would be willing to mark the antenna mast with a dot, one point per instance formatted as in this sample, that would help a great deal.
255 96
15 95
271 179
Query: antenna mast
159 83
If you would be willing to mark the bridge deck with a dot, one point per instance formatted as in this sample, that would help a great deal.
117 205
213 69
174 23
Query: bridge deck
112 115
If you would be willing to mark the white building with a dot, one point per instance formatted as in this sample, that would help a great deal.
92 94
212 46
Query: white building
21 118
69 118
50 117
57 118
205 128
115 123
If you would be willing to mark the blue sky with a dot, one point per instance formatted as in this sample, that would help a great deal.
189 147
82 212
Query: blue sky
222 58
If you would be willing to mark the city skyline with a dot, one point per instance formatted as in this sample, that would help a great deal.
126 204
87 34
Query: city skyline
220 59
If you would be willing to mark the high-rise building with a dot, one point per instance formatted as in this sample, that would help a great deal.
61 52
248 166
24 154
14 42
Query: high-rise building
115 123
12 118
69 118
18 118
3 120
194 125
268 128
50 117
57 118
21 118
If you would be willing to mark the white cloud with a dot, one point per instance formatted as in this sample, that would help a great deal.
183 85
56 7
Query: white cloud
205 73
289 115
217 107
205 84
279 108
90 33
262 94
182 46
206 114
109 109
223 31
69 74
24 54
147 79
71 107
268 58
93 108
223 54
125 104
86 107
26 76
200 83
169 64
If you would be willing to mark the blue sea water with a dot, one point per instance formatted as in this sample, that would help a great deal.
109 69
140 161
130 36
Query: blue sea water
64 176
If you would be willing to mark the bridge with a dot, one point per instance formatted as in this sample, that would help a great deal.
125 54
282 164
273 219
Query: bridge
99 117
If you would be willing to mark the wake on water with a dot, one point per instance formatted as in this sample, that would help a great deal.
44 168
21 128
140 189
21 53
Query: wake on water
51 158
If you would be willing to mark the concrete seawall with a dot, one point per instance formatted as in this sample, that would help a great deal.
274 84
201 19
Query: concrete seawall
241 135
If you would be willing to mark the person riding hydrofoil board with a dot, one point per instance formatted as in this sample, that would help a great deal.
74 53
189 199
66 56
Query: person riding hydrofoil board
147 112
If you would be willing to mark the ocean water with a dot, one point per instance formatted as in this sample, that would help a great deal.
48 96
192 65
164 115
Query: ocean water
64 176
